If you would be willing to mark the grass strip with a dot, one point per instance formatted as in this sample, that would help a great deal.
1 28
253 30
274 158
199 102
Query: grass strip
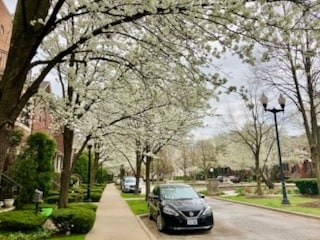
299 204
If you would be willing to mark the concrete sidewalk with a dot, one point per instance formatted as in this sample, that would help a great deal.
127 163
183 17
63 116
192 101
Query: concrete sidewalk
115 220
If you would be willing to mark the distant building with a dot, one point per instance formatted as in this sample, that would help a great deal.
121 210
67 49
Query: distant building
5 35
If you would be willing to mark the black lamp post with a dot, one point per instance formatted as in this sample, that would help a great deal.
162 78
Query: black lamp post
282 102
88 199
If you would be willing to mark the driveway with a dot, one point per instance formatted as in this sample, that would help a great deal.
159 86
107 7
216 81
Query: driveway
237 221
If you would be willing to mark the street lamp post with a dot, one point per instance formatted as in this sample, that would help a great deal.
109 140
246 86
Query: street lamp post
282 102
88 199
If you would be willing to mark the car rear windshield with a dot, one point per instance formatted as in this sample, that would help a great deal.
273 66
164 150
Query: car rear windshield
130 180
178 192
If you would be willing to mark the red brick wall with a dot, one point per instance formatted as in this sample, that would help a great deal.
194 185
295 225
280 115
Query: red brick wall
5 34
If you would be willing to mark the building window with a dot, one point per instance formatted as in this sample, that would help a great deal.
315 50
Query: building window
1 29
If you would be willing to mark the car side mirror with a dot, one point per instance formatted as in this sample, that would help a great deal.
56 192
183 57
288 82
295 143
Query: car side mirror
201 195
154 197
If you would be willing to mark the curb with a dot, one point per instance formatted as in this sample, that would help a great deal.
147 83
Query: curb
270 208
144 227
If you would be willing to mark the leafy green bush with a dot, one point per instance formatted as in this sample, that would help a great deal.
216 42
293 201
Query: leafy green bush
53 193
33 168
240 192
32 207
307 186
22 220
86 205
77 189
71 198
204 192
74 219
52 199
95 196
75 197
35 235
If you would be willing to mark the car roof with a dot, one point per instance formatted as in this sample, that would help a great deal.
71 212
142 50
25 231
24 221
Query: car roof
164 185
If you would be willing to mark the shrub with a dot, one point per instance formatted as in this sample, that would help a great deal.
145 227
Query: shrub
32 207
95 196
33 168
53 193
240 191
36 235
71 198
86 205
77 189
307 186
74 219
75 197
220 193
53 199
204 192
22 220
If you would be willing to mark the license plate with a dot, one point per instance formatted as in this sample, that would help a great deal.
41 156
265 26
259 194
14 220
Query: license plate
192 222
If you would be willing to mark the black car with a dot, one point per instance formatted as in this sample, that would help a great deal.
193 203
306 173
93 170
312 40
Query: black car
179 207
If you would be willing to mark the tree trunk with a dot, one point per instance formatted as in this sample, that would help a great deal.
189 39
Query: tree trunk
67 170
315 156
4 133
139 158
317 166
138 175
267 181
258 175
148 167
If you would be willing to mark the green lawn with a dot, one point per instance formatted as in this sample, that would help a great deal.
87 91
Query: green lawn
132 195
299 204
72 237
138 206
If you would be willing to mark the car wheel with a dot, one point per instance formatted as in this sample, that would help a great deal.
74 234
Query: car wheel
160 223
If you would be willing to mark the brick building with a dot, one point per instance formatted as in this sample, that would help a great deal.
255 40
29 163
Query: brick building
41 121
5 35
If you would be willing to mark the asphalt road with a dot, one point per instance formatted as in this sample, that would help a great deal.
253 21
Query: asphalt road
237 221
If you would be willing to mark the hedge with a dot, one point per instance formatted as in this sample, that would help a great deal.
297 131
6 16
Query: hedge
22 220
307 186
76 219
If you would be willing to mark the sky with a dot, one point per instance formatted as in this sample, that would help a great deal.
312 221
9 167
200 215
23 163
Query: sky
11 5
236 70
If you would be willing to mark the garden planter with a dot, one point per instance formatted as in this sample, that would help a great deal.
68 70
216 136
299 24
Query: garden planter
8 202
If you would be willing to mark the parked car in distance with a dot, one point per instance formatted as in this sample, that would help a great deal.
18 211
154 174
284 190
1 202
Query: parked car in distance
128 184
179 207
234 179
117 181
220 178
